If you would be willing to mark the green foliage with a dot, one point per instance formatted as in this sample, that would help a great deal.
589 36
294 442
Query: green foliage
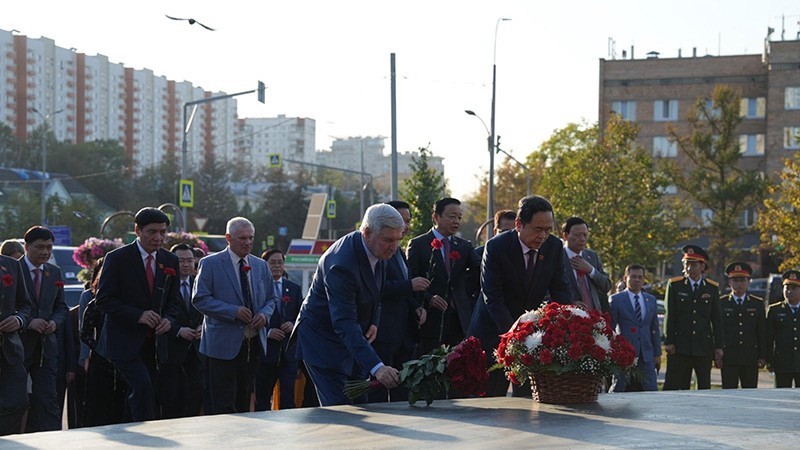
778 222
711 174
213 196
421 191
425 377
616 187
284 205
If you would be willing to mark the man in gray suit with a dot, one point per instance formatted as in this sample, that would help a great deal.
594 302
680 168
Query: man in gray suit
234 291
588 283
635 316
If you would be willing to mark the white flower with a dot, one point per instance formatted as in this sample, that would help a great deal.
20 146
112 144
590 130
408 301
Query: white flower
533 341
579 312
602 341
600 324
530 316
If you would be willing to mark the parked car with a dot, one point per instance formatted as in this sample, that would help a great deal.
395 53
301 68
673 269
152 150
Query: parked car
660 311
62 257
774 289
72 294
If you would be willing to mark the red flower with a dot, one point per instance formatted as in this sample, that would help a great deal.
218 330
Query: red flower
59 284
170 272
436 244
286 299
246 268
546 356
512 377
8 280
454 256
527 359
633 330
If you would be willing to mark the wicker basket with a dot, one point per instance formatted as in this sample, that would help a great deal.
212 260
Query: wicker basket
565 388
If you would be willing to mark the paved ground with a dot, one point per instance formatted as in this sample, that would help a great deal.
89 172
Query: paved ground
765 379
749 418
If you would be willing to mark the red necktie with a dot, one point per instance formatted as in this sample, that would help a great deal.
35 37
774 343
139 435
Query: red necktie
584 285
148 270
37 281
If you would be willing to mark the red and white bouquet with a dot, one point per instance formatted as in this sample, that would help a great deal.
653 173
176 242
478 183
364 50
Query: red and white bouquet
562 339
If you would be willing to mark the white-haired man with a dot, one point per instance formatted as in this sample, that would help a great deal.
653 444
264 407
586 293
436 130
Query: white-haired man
339 318
234 291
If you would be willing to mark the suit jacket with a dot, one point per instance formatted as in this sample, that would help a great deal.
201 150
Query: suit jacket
643 334
218 295
599 283
15 302
693 320
783 332
453 287
49 306
123 296
186 316
745 331
398 303
288 307
344 300
504 294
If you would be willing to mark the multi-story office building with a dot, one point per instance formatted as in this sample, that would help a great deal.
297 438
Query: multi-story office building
657 92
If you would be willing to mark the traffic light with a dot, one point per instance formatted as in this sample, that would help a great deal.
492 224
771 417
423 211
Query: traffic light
262 92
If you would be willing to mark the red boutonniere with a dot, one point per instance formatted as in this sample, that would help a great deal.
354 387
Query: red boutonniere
286 299
8 280
633 330
246 268
455 255
46 273
161 266
541 257
436 244
59 284
170 272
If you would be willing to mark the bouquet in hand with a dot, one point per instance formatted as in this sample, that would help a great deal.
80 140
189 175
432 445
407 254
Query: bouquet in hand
462 368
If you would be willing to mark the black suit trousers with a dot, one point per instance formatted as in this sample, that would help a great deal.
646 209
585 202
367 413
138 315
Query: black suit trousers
270 373
181 387
44 414
230 382
13 396
679 372
140 374
733 375
785 380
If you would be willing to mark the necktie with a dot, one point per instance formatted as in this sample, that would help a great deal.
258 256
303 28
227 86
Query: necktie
694 287
187 296
739 301
637 308
37 281
531 264
277 285
583 283
446 248
148 270
248 301
379 275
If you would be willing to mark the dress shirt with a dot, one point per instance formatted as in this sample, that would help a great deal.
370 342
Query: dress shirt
570 255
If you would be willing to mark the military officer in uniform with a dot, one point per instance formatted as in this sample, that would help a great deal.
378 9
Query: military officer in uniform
693 334
783 333
744 322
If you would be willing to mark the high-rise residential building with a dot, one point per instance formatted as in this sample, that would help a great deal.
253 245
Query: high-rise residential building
291 137
657 92
90 98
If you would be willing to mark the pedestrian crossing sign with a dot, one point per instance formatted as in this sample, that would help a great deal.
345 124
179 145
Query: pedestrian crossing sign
274 160
186 194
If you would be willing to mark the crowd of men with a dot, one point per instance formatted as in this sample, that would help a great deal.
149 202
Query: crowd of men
165 337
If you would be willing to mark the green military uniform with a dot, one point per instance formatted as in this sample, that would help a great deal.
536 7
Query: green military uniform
745 340
693 324
783 338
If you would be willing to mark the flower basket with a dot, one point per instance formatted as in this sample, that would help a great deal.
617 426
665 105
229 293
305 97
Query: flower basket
565 388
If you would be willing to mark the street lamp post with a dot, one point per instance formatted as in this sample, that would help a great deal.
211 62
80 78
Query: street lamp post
490 193
45 118
490 201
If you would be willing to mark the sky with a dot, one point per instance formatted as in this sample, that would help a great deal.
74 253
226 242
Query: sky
330 60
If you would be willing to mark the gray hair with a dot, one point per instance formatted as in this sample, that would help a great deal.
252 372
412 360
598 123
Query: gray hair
380 216
237 223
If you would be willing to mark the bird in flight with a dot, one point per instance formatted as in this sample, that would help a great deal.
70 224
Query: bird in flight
191 22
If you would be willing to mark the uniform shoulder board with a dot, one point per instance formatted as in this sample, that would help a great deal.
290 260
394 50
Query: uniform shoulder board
755 297
712 282
775 305
676 279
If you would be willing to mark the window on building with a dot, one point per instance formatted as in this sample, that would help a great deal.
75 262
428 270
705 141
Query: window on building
792 98
753 108
668 190
665 110
626 109
791 138
662 147
713 112
748 218
704 216
751 144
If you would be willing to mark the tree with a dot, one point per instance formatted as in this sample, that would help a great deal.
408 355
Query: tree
9 147
100 166
616 187
213 197
778 224
284 205
421 191
710 173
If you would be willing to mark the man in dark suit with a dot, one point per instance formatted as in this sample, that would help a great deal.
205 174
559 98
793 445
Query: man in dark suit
235 292
693 334
48 313
783 333
503 221
744 322
634 313
446 260
520 269
180 373
139 300
401 313
15 310
340 315
280 362
588 282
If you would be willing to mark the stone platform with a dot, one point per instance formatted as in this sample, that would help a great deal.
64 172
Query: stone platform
765 418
